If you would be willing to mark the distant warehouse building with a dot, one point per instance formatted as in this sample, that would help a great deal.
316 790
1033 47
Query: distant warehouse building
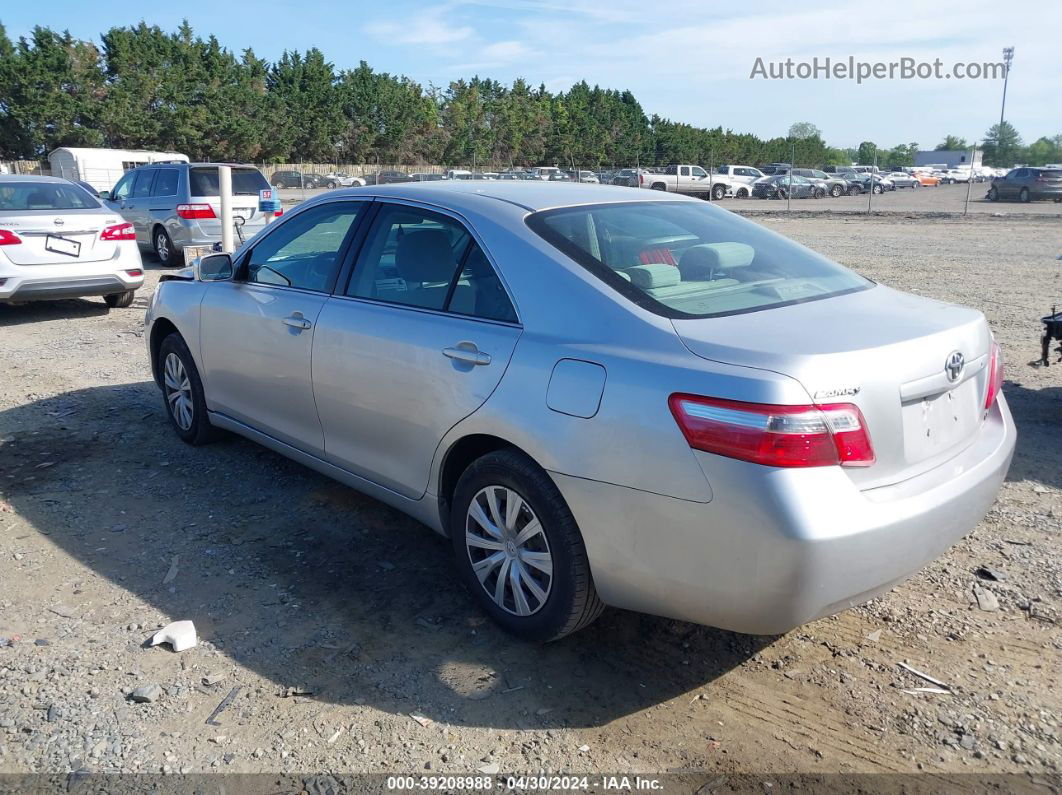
102 168
952 158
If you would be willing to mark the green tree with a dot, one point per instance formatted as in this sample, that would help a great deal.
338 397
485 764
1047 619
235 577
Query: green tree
804 129
952 143
867 153
312 117
1002 145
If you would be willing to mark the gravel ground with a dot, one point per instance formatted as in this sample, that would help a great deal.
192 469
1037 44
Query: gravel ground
340 627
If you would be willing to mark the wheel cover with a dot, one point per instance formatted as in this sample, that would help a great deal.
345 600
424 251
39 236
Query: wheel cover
508 550
162 246
178 392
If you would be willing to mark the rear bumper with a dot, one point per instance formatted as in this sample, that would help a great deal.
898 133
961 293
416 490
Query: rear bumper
49 282
776 548
192 233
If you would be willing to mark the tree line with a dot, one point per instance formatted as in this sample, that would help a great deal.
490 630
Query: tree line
144 88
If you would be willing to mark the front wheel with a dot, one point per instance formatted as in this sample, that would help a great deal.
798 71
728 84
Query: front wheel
742 193
836 191
1024 197
120 300
519 550
182 392
854 190
878 189
993 194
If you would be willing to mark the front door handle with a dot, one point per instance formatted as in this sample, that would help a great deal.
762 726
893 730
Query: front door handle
297 321
468 353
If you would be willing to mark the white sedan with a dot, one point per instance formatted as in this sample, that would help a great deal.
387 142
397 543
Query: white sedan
58 241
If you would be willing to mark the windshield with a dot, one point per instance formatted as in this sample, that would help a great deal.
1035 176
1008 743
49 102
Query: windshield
245 181
44 196
691 260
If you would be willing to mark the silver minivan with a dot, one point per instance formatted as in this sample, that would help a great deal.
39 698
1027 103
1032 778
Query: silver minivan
175 204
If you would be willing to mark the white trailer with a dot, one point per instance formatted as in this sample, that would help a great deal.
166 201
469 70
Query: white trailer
102 168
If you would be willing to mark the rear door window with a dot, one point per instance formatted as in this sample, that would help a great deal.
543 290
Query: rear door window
166 182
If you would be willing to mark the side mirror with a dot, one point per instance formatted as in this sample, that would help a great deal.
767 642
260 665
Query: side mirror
214 268
105 195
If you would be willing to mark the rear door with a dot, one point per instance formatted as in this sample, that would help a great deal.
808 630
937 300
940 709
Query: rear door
256 332
416 342
137 206
162 206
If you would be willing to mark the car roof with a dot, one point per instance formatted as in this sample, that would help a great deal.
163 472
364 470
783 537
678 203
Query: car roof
532 195
32 178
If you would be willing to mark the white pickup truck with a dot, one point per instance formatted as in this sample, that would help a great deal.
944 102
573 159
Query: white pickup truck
691 180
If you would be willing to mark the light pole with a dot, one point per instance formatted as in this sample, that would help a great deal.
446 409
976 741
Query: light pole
1008 57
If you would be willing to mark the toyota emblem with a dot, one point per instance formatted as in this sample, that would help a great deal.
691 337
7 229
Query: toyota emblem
954 365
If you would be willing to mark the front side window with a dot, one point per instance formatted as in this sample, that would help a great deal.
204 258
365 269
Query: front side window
690 260
418 258
304 252
124 187
142 185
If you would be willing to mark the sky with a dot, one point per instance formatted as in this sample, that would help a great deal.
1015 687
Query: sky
688 60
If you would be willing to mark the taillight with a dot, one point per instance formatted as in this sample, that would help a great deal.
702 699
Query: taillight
778 436
118 232
278 213
134 273
193 211
641 179
9 238
995 375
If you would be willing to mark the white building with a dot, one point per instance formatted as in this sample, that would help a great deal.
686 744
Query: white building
952 158
102 168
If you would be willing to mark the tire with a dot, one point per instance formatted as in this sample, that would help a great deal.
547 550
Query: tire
279 184
836 191
819 193
189 416
1024 197
163 246
878 189
569 600
916 184
718 192
332 184
659 186
993 194
742 193
120 300
854 190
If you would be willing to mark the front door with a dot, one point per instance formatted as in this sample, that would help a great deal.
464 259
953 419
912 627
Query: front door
418 341
257 331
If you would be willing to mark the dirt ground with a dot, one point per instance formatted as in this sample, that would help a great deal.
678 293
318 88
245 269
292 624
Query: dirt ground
355 650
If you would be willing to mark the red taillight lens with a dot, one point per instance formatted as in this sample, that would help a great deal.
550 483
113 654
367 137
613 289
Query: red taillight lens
118 232
278 213
194 211
9 238
134 273
778 436
995 375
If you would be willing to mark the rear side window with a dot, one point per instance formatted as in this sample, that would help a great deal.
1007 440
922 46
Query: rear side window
203 181
690 260
44 196
142 185
166 182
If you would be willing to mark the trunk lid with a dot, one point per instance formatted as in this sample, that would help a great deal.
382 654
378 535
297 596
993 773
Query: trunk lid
882 350
59 237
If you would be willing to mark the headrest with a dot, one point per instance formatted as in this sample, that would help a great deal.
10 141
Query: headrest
649 277
705 260
425 256
38 199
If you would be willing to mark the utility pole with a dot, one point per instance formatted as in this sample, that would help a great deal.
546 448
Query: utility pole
1008 57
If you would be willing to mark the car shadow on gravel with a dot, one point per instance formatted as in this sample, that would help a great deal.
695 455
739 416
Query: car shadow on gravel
308 583
37 311
1038 416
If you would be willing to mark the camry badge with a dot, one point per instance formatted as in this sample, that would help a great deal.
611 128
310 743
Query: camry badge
954 365
841 391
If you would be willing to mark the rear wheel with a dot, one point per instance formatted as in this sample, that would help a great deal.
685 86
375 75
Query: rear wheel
519 550
718 192
120 300
164 248
853 190
182 392
878 189
659 186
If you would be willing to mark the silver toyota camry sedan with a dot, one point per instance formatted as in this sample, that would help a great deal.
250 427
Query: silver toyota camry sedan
602 396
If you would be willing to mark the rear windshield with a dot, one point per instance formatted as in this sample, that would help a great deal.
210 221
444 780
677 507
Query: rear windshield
44 196
245 181
691 260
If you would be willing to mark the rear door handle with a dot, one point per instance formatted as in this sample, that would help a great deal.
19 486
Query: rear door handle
297 321
468 353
